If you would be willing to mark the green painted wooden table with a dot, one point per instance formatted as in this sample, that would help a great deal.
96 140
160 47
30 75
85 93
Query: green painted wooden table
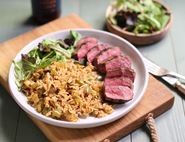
169 53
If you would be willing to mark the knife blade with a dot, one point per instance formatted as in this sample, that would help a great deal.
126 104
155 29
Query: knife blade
170 80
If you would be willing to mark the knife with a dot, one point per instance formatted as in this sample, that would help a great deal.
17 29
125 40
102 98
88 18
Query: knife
169 79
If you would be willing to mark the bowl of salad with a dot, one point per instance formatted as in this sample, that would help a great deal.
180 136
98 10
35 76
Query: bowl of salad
141 22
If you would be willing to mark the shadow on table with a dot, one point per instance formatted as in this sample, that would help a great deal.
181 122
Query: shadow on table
30 21
15 125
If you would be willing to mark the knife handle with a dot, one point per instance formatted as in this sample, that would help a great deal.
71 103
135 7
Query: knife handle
180 87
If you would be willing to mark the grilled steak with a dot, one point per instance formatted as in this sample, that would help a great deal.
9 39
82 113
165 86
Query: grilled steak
85 40
83 50
118 81
126 72
107 55
117 94
117 62
91 55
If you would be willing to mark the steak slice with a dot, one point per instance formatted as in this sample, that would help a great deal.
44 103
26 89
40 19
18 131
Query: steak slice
118 81
117 62
85 40
83 50
91 55
107 55
118 94
126 72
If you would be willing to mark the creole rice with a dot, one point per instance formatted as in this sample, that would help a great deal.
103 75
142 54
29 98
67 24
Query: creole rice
66 91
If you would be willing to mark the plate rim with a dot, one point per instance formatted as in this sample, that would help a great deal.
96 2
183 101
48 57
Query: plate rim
67 124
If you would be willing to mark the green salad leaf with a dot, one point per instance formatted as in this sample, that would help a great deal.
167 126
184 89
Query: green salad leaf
44 54
146 16
76 36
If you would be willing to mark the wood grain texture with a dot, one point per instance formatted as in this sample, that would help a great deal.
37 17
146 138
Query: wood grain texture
155 100
22 40
170 125
169 53
178 39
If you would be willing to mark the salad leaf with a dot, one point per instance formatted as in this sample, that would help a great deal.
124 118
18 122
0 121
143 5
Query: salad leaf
76 36
150 20
164 20
32 61
126 18
119 3
139 16
19 74
49 44
44 54
62 43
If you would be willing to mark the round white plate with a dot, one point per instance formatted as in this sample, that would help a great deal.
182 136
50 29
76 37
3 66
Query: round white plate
120 110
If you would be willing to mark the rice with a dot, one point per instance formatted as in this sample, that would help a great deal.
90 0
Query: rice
66 91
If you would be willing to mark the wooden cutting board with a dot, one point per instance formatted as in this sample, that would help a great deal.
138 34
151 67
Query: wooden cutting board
157 98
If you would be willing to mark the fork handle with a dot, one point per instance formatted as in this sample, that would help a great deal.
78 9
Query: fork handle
180 87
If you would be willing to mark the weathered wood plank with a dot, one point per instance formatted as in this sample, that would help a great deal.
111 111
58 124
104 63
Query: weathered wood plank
140 135
70 6
15 18
155 52
178 39
27 131
172 124
8 30
9 112
93 11
126 139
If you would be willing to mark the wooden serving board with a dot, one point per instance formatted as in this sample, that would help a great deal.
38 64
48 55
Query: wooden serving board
157 98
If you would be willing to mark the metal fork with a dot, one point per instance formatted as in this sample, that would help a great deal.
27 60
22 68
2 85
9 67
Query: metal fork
170 77
158 71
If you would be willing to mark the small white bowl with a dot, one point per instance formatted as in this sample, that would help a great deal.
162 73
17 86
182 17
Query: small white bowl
140 83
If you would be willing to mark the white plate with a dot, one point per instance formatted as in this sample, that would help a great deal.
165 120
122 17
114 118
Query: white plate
120 110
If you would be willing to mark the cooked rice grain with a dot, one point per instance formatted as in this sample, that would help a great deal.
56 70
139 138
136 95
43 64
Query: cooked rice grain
66 91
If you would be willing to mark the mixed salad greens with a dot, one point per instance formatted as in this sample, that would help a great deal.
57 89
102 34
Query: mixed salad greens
44 54
139 16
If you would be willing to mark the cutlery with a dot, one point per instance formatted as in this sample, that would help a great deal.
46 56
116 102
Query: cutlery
159 71
171 77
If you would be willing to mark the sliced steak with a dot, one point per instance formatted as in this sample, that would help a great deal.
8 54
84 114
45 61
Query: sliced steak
83 50
85 40
117 62
107 55
117 72
118 81
91 55
117 94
